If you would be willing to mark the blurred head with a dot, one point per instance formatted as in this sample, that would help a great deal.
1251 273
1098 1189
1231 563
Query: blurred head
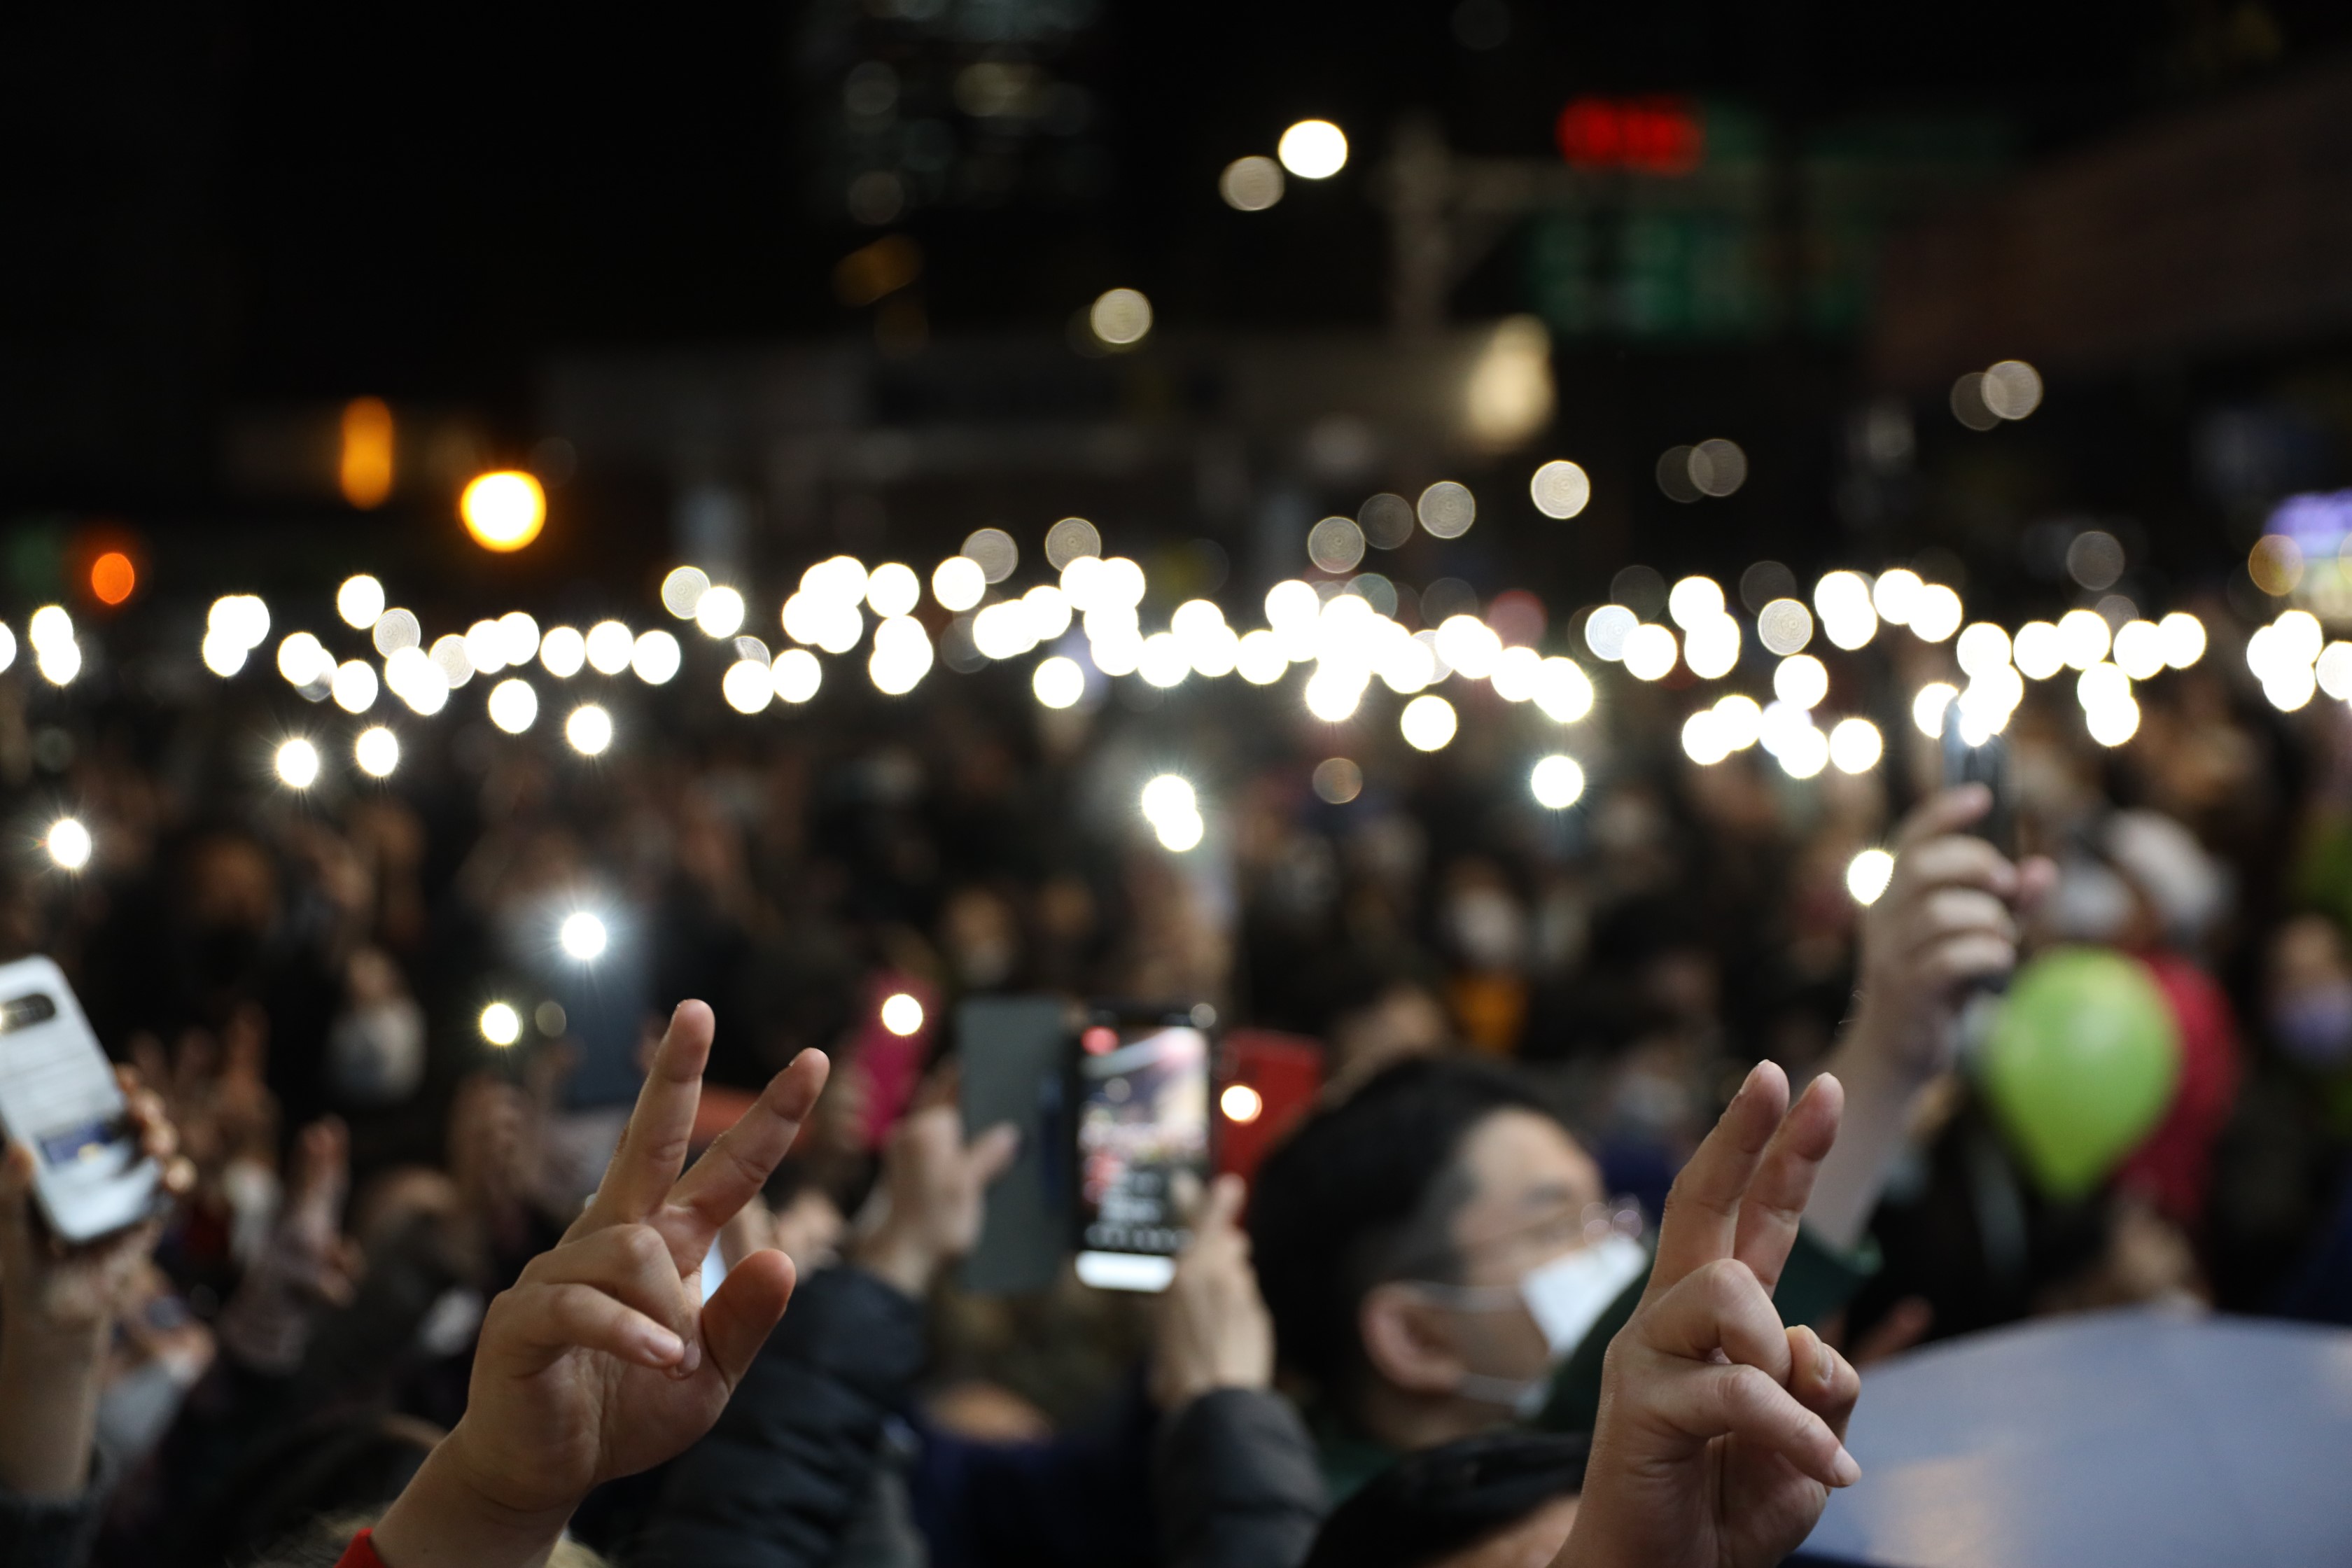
981 938
2307 993
1401 1020
1409 1243
1502 1500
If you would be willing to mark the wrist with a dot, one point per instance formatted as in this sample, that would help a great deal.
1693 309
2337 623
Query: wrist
1874 1056
900 1260
445 1518
41 1346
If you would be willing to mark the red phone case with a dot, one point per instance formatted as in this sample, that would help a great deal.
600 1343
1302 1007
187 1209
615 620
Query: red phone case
1285 1072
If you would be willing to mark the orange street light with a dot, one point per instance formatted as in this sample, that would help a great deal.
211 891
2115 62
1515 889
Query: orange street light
503 510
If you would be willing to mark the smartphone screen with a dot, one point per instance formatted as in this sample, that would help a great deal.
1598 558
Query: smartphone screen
1143 1148
57 1096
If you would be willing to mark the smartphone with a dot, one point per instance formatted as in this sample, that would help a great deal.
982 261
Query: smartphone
58 1097
1985 761
1013 1066
1142 1102
1267 1082
890 1063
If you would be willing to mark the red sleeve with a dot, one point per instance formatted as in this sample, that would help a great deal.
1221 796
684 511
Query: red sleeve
361 1552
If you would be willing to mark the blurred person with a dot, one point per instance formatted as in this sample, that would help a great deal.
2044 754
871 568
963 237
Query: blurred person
2307 993
59 1307
375 1046
981 936
801 1460
1720 1431
1486 930
1234 1478
793 1215
2179 896
1399 1020
1422 1244
604 1359
1497 1500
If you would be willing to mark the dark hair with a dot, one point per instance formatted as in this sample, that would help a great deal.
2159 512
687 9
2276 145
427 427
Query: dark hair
1355 1189
334 1467
1430 1505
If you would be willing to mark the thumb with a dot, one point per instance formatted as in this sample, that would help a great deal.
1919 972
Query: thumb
992 1152
1222 1211
737 1321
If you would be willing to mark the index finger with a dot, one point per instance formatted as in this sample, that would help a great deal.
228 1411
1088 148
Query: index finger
661 1127
1946 811
1701 1222
740 1160
1775 1203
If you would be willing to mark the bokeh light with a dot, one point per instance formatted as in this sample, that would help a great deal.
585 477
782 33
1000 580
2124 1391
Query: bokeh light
1313 150
360 601
1560 488
503 510
1855 745
1650 652
377 752
1557 782
297 763
1868 874
113 577
589 730
682 591
1059 683
69 844
1251 185
1121 317
1428 724
583 936
500 1025
902 1015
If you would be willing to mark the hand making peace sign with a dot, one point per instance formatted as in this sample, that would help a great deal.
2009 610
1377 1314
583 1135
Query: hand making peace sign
1720 1430
603 1359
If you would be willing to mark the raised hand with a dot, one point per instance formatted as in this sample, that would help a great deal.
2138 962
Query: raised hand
603 1359
59 1305
1721 1432
1946 921
1214 1331
934 1183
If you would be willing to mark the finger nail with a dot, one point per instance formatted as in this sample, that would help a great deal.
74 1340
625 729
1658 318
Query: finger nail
692 1361
1843 1471
665 1346
1825 1366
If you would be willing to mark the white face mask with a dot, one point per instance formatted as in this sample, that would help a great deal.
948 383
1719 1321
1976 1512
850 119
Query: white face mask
1565 1296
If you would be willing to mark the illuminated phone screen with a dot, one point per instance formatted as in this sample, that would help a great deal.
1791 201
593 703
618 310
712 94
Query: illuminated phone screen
1143 1148
58 1094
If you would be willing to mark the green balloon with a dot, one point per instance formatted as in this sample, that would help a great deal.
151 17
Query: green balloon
2081 1066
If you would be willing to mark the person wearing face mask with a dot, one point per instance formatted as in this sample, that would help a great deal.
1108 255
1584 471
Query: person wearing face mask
1429 1249
1441 1257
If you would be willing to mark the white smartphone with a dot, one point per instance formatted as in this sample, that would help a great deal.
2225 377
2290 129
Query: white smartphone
58 1097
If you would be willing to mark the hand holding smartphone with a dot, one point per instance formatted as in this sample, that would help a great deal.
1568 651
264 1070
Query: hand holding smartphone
58 1097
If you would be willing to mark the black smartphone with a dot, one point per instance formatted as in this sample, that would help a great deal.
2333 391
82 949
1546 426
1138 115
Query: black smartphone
1013 1055
1142 1102
1969 758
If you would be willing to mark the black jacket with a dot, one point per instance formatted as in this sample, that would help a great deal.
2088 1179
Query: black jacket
55 1533
1236 1483
795 1456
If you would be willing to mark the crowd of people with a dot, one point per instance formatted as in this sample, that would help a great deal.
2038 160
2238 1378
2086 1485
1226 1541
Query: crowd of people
1557 1257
